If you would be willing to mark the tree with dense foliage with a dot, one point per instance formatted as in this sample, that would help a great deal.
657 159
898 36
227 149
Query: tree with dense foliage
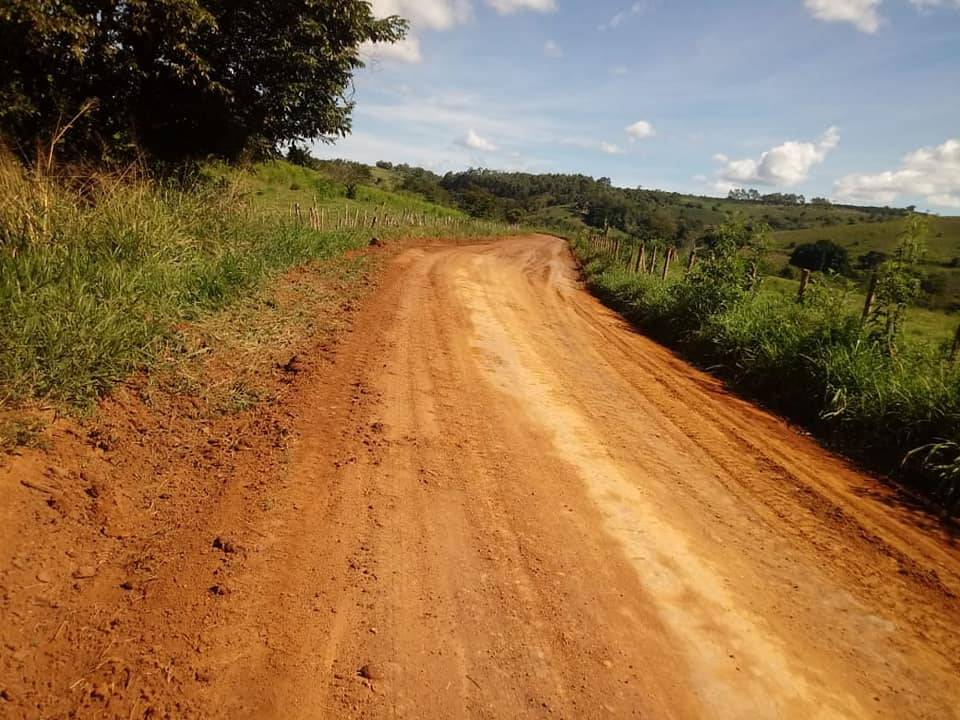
752 195
181 78
871 259
822 256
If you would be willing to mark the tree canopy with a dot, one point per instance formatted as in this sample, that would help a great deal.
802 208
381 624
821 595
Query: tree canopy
181 78
823 256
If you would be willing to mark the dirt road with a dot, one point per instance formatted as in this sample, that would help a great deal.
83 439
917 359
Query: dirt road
504 503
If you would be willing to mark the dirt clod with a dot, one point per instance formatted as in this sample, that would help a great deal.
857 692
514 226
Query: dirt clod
84 572
294 365
370 671
224 545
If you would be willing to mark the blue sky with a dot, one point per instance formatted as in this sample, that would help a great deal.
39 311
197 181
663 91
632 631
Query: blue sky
856 100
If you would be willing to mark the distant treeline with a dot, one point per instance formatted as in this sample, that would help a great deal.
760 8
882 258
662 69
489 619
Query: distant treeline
755 196
639 212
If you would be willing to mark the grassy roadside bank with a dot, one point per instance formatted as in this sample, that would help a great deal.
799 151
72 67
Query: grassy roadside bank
898 414
99 275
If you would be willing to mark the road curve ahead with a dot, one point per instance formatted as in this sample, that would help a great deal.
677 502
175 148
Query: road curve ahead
535 511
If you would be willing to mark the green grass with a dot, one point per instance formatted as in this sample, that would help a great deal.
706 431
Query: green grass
943 240
942 251
96 276
921 325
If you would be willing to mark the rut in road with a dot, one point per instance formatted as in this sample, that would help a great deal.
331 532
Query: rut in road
548 514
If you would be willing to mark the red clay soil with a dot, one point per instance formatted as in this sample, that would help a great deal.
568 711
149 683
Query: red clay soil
492 499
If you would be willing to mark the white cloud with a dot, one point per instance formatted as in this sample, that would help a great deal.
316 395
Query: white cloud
429 14
619 70
950 201
435 15
787 164
406 51
640 130
861 13
422 14
931 173
506 7
551 49
636 8
588 144
476 142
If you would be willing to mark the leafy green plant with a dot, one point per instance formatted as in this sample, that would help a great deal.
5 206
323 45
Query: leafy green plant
942 459
898 284
728 268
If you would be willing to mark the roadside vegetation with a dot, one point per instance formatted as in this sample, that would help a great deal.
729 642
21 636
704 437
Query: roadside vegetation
857 381
97 274
141 186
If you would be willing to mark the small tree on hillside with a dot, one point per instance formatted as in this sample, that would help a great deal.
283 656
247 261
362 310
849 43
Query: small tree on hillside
898 284
821 256
727 269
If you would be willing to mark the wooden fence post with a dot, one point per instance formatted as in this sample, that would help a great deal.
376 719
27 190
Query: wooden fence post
296 212
804 281
653 261
871 296
641 260
666 263
693 259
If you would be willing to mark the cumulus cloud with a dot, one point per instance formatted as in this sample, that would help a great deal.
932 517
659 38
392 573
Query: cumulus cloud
475 142
640 130
551 49
506 7
405 51
435 15
610 148
932 173
422 14
427 14
787 164
863 14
